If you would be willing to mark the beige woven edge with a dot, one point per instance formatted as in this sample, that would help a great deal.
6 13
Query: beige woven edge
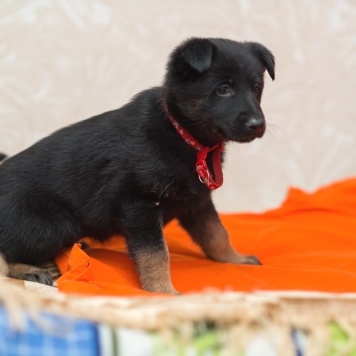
296 308
242 313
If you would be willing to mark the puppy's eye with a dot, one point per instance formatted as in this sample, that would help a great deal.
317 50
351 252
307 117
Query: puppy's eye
224 90
257 90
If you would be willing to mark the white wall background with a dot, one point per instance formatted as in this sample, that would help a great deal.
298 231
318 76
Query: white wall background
62 61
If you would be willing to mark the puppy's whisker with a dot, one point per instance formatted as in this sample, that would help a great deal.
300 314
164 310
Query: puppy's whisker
275 127
270 134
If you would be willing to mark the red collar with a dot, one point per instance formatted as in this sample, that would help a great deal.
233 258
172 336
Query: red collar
201 166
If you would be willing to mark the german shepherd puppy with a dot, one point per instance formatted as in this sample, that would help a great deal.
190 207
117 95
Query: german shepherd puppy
131 170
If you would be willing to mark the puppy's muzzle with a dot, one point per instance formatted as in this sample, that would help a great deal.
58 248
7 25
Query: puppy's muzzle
256 126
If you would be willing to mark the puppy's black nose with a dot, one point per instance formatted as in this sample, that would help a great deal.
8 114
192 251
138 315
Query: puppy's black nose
257 125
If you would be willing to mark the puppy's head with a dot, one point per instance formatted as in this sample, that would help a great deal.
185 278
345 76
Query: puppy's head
214 87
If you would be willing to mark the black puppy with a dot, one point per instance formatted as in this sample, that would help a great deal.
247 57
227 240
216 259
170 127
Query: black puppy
131 170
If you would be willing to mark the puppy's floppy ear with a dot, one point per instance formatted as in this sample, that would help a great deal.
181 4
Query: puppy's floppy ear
198 54
265 56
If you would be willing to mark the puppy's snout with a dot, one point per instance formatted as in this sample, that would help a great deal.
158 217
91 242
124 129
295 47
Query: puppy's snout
257 125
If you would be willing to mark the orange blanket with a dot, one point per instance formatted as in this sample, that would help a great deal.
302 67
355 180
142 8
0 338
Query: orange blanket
309 243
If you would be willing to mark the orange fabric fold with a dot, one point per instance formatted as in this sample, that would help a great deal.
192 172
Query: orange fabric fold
307 244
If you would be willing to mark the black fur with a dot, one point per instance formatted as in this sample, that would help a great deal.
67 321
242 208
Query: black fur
128 171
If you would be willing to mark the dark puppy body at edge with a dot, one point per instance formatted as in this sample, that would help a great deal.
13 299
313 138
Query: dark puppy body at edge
129 172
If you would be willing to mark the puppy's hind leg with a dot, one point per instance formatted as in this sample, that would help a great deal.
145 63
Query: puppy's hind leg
30 273
43 229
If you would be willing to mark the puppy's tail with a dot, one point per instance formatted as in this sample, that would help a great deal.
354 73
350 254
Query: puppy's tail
2 156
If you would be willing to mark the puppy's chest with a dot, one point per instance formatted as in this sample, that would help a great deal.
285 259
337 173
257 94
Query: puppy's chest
177 191
173 180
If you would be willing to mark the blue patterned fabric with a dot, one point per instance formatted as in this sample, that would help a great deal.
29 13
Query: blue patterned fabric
50 335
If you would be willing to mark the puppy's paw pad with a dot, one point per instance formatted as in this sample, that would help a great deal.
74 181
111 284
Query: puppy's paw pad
252 260
40 276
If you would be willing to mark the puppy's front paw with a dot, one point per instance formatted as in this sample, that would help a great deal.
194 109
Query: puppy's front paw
251 260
